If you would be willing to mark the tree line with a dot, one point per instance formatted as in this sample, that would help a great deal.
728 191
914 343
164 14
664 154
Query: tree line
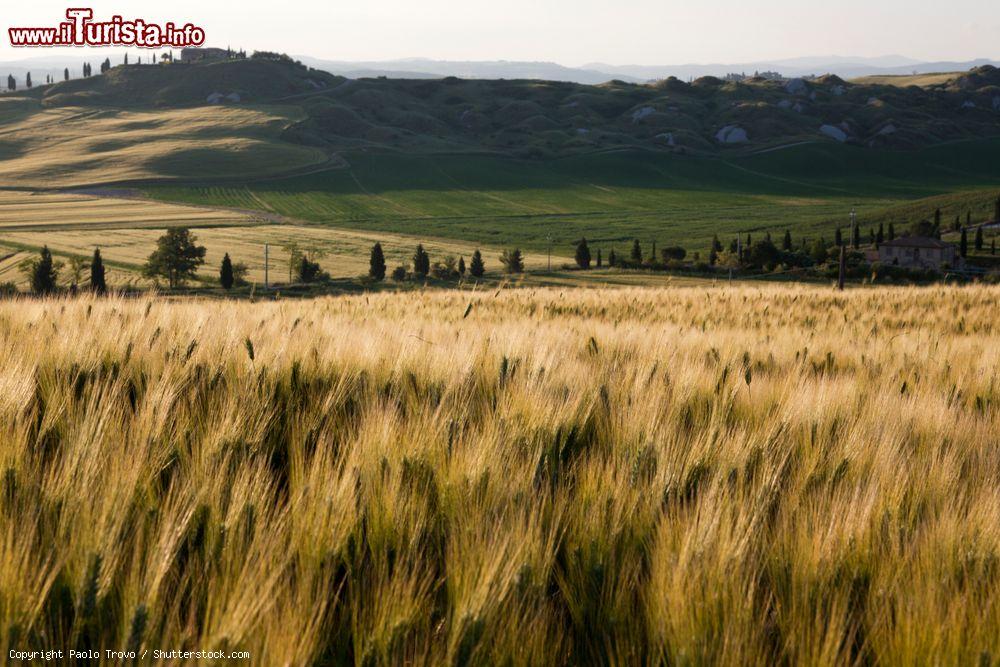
178 257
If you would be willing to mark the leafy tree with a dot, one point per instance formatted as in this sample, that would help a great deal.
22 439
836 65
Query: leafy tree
636 252
176 258
786 243
309 270
476 266
673 253
461 266
421 262
226 273
963 246
42 271
512 260
763 254
376 263
979 239
819 251
98 281
76 267
582 254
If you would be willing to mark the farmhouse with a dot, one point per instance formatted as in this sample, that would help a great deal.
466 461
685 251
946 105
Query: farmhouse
919 252
191 55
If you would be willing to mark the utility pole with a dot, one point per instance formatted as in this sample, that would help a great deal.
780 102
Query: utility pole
267 249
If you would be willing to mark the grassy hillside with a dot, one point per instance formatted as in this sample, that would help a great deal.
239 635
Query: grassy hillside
731 476
613 197
80 146
501 163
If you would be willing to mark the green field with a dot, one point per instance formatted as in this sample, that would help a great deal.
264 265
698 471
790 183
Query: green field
612 198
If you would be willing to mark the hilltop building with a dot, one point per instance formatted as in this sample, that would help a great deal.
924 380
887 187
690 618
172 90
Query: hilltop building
919 252
191 55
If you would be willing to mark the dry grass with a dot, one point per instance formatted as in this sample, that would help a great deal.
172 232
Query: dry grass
783 475
35 211
346 252
903 80
68 147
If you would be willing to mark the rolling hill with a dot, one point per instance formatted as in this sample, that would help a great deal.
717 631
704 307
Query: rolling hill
503 163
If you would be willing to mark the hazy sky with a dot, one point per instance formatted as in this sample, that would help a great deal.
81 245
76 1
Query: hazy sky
571 32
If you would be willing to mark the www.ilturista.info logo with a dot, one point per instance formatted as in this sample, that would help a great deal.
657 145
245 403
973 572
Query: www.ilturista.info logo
82 30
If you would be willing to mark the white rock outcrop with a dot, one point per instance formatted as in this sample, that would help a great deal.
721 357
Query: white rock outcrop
667 137
732 134
834 133
796 87
640 114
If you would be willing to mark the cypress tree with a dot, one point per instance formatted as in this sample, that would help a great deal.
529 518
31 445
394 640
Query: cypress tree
97 278
979 239
880 236
461 266
963 247
892 232
786 243
838 238
600 263
716 243
612 259
226 272
421 262
652 255
476 266
937 217
993 247
583 254
636 252
996 210
27 80
376 263
43 273
66 74
856 236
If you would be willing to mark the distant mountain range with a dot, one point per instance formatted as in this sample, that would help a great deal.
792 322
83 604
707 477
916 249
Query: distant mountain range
594 73
846 67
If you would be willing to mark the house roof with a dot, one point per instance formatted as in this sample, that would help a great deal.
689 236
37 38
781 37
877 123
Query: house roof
917 242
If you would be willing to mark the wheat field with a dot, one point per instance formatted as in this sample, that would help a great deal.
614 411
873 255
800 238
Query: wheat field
733 476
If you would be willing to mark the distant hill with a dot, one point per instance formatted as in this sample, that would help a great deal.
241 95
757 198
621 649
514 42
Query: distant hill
179 84
500 69
550 119
597 73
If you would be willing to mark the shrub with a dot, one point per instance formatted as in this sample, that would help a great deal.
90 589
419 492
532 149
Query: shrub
512 260
399 274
